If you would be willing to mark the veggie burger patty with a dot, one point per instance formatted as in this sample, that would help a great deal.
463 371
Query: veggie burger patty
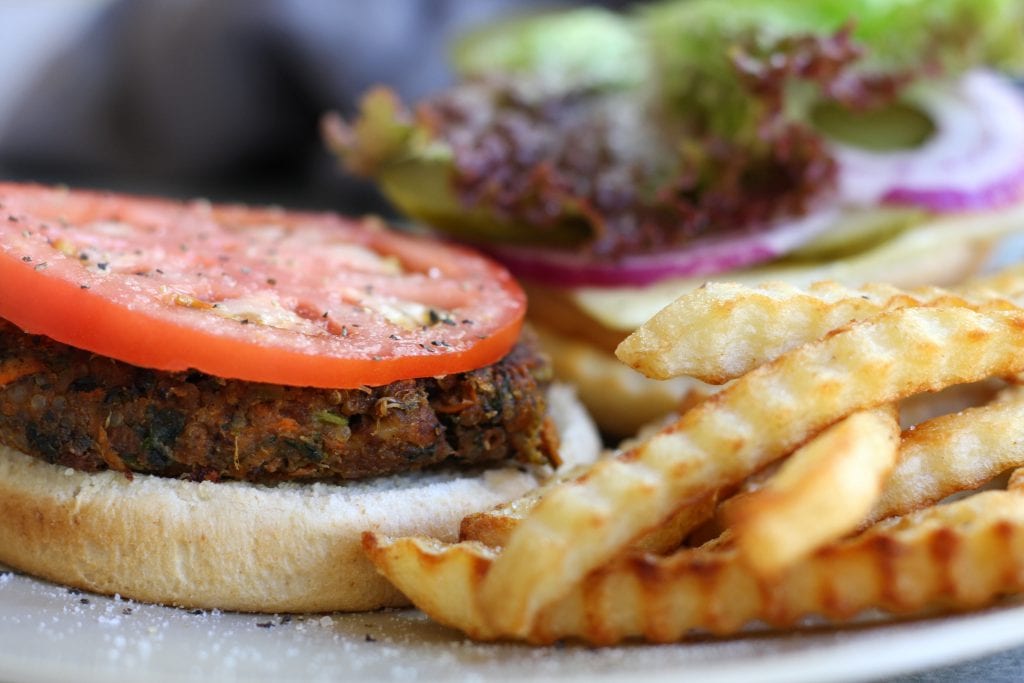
77 409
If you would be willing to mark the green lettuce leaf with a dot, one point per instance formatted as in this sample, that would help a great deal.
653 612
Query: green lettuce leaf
587 47
693 45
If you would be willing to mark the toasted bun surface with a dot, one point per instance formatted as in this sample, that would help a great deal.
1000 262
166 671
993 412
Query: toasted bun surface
239 546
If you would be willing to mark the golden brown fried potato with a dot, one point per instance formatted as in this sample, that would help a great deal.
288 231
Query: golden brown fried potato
955 452
943 456
1008 282
723 330
923 407
764 415
493 527
442 579
572 565
820 493
893 566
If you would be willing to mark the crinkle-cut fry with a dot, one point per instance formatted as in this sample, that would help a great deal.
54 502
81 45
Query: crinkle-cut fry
954 556
764 415
945 455
915 410
953 453
442 579
1008 282
722 330
493 527
1016 481
821 492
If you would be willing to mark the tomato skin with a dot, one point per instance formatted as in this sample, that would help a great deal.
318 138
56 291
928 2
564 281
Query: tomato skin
423 309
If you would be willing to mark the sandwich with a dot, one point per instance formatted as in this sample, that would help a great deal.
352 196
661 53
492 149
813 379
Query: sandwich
613 161
206 406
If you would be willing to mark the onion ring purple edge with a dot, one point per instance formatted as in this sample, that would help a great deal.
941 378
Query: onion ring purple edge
1003 192
574 269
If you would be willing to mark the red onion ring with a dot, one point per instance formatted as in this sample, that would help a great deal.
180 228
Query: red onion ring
563 268
974 161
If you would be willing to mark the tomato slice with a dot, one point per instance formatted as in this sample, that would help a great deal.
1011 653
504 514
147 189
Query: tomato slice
259 294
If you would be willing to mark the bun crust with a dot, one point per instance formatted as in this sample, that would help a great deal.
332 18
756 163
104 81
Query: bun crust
240 546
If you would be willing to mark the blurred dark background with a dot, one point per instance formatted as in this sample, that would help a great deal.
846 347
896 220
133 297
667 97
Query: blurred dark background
215 98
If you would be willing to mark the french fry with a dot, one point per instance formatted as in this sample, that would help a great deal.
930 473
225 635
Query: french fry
953 453
723 330
958 555
493 527
821 492
1008 282
945 455
915 410
953 556
1016 481
762 416
442 579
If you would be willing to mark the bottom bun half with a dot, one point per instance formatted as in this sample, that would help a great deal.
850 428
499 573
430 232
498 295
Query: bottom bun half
239 546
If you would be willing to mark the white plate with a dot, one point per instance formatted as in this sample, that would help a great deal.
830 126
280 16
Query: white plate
49 633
